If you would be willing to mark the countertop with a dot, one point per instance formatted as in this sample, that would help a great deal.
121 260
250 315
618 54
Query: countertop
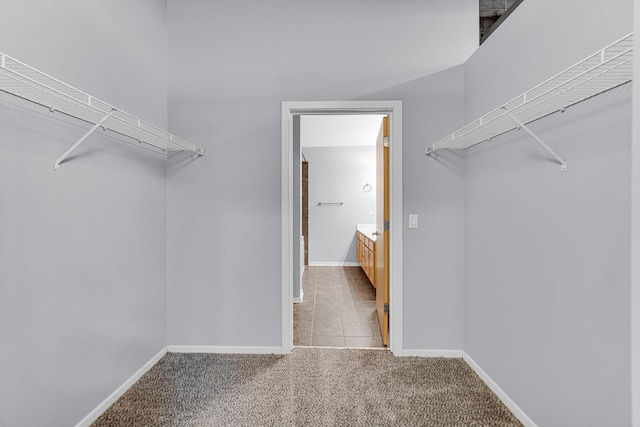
367 230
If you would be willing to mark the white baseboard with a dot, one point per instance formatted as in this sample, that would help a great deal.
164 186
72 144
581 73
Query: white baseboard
454 354
508 402
225 349
298 300
459 354
333 264
95 414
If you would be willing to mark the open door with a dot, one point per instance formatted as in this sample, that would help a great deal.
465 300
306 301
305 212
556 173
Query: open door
382 229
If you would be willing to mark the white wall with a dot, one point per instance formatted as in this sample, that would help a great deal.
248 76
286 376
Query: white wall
82 250
547 252
232 64
338 174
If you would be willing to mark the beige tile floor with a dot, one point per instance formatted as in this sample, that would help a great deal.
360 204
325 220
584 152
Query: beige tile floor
338 309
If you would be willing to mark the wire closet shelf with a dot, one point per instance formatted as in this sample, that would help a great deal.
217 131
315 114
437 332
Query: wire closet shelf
600 72
28 83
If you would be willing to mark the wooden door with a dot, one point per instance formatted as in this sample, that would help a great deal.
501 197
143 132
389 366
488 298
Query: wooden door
382 231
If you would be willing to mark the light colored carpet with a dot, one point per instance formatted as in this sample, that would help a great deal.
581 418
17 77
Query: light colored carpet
309 387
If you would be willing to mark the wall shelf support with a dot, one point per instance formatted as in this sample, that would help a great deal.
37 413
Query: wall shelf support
56 165
563 164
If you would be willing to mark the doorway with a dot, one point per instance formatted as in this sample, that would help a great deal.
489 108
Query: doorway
291 241
336 296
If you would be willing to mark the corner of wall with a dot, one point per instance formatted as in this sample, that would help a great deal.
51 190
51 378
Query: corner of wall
497 390
113 397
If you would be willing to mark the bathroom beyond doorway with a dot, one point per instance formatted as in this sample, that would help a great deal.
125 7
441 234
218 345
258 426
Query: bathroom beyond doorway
347 153
338 310
291 241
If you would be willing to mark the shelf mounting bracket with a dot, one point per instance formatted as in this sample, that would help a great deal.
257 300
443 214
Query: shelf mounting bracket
56 165
563 164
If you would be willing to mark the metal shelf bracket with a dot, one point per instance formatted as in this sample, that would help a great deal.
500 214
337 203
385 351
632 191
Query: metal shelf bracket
26 82
56 165
563 164
606 69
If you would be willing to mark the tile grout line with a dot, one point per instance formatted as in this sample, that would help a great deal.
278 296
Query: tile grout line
333 282
335 295
313 310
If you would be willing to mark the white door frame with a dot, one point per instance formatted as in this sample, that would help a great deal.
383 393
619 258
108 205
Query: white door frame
394 110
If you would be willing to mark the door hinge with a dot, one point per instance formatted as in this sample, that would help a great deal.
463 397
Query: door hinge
386 308
386 225
386 141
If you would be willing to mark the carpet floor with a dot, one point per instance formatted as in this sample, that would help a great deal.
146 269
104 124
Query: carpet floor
309 387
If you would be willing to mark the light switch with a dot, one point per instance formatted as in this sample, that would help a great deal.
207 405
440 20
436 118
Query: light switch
413 220
372 212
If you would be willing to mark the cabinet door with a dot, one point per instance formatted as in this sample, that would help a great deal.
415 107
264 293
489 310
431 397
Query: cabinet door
370 261
373 265
365 263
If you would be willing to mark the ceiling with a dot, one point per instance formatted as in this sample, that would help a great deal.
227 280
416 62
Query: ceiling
339 130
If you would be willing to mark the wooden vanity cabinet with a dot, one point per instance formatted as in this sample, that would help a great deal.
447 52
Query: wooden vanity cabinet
366 254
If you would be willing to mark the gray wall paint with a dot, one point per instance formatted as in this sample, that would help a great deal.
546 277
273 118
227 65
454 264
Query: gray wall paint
82 250
547 252
433 188
338 174
224 216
